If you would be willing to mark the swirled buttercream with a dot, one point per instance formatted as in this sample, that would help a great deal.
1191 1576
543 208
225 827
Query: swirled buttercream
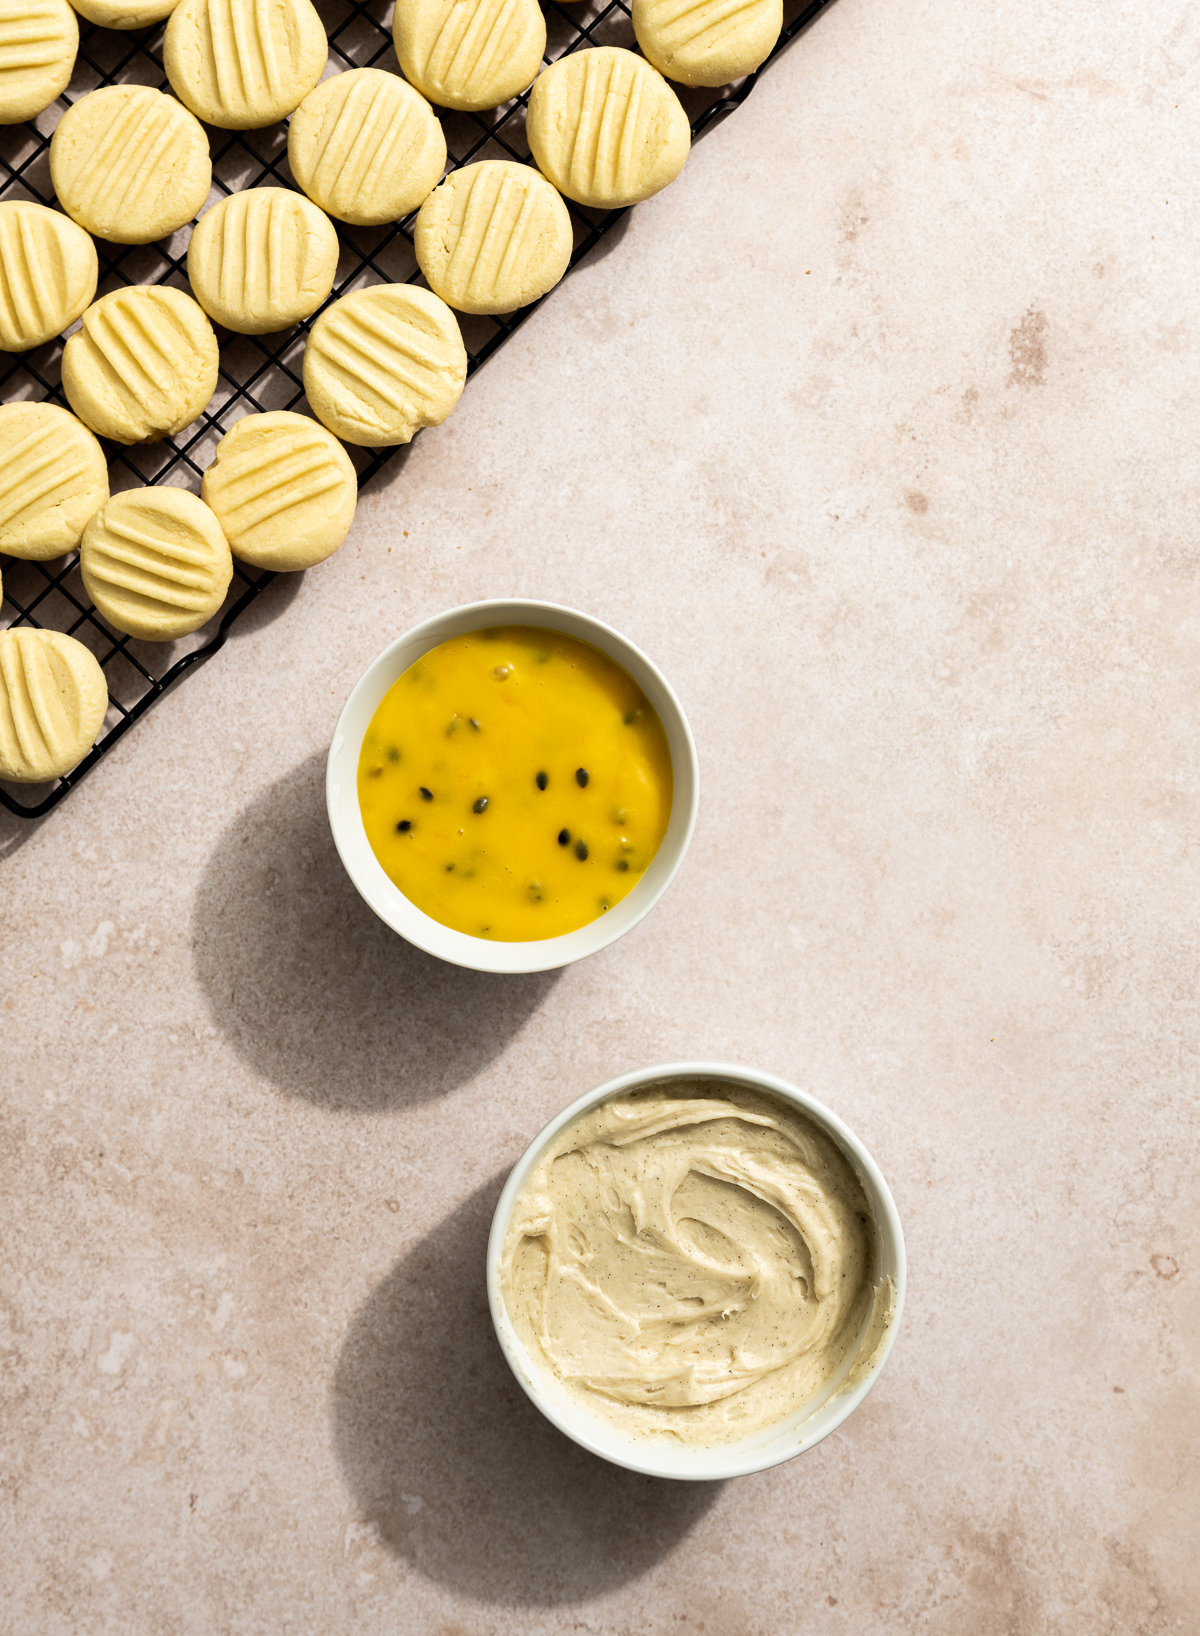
692 1260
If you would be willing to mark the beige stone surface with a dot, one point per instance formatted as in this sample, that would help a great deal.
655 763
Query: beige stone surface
877 431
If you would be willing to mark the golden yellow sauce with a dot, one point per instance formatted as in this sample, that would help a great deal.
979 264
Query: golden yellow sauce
515 783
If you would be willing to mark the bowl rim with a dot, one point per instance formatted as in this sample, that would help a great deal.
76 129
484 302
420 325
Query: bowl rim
652 1458
385 898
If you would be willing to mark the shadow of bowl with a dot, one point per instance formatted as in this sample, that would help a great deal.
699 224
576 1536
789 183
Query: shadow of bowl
315 993
454 1467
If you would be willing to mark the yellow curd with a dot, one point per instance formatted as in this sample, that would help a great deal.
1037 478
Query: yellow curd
515 783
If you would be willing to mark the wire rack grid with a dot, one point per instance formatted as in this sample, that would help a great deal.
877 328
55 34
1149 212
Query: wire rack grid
260 373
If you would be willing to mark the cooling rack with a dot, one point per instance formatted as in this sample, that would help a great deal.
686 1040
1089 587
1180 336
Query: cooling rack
261 372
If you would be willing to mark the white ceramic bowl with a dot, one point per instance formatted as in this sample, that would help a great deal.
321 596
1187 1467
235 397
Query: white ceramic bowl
389 902
812 1421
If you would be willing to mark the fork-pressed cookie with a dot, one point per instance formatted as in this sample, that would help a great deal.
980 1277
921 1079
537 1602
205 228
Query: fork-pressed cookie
383 362
130 164
143 365
262 260
125 13
49 274
156 563
469 54
366 147
707 42
39 40
283 489
606 128
52 478
493 237
53 698
242 64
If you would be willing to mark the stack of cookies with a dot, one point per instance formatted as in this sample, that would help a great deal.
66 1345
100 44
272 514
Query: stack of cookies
131 165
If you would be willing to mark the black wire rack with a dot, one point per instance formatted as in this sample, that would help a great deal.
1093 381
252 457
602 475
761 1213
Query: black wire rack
260 372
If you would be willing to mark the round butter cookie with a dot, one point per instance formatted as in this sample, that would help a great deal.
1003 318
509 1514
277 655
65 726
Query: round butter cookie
49 274
155 563
469 54
242 64
52 478
381 363
125 13
143 366
52 703
493 237
262 260
129 164
366 147
38 43
710 43
283 490
606 128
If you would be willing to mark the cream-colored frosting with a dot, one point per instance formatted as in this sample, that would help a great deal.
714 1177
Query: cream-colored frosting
694 1260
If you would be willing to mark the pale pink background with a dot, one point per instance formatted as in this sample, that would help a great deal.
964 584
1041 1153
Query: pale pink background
878 432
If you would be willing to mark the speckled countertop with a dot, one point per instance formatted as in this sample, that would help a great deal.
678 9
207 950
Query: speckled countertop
878 432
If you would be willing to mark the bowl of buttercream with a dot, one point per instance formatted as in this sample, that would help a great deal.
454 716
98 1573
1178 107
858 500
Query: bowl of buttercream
696 1271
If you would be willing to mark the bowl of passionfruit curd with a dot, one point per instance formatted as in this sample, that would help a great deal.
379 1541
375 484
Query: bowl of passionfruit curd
512 786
